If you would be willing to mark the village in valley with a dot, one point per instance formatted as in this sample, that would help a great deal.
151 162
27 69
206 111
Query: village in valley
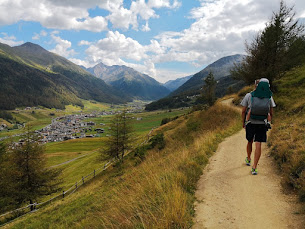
71 126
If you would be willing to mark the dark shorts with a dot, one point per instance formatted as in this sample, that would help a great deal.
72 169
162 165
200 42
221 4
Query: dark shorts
256 132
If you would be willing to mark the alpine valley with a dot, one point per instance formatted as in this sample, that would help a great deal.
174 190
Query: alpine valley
130 81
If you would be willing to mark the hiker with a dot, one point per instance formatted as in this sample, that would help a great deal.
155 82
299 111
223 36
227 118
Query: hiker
257 115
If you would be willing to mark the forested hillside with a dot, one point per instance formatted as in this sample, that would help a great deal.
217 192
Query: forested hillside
188 94
32 76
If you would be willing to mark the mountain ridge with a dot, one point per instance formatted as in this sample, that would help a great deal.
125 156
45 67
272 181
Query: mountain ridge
186 93
130 81
220 68
61 81
174 84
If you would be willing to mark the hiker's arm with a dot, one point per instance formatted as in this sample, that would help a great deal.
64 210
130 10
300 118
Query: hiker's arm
271 113
243 115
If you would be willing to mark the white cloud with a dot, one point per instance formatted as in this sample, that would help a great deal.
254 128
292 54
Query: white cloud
63 47
37 36
163 3
82 42
141 8
220 29
164 75
81 62
43 33
145 28
9 40
115 47
74 15
53 14
123 18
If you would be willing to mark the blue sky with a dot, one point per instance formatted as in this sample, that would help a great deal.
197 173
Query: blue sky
165 39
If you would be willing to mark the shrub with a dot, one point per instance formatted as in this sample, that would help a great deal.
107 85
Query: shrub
6 115
157 141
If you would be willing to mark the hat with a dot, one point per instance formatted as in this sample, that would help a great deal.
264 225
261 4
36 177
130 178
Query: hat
264 80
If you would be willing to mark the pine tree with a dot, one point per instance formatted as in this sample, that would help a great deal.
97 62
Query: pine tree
208 92
6 198
30 178
120 137
277 48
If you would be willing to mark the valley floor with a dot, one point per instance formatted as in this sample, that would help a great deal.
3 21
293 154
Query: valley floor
228 196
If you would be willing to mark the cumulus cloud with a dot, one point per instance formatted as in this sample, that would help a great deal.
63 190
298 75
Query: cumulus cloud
145 28
81 62
74 15
115 47
41 34
82 42
70 15
163 3
9 40
220 29
63 47
36 36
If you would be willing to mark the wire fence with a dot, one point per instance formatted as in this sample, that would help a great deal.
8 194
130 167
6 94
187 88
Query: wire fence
10 216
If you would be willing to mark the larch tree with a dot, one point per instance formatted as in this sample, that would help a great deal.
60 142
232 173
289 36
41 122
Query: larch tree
120 137
30 177
208 90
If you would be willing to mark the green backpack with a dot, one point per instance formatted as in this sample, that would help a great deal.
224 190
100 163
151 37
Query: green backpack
260 101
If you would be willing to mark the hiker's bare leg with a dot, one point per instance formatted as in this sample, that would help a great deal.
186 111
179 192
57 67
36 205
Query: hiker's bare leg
258 152
249 149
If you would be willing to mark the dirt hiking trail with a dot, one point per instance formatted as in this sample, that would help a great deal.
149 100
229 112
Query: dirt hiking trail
228 196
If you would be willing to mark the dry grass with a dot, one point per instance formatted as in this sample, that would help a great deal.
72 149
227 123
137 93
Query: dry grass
288 134
158 192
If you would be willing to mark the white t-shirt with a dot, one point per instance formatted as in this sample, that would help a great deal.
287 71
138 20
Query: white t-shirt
246 102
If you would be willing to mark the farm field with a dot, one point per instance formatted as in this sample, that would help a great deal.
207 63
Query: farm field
79 157
88 151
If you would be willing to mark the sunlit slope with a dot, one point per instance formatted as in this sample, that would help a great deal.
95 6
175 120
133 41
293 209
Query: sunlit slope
32 76
155 190
288 134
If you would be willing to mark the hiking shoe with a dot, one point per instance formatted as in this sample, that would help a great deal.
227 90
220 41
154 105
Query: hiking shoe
248 162
254 171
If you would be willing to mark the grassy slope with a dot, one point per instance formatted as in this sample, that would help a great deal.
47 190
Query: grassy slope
155 193
26 74
288 135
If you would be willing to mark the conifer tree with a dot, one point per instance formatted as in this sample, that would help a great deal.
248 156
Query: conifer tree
6 198
120 137
277 48
28 176
209 89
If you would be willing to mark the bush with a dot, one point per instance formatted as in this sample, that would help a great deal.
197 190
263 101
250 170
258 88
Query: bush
6 115
140 152
157 141
167 120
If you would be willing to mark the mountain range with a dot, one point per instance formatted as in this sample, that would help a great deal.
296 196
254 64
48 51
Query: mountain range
130 82
32 76
172 85
192 87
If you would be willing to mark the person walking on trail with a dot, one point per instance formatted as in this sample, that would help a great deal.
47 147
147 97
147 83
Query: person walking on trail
257 114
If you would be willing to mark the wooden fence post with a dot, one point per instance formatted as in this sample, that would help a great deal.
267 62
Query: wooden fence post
94 173
63 194
83 180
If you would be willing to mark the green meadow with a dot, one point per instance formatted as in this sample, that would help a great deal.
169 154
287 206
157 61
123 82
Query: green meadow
80 157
